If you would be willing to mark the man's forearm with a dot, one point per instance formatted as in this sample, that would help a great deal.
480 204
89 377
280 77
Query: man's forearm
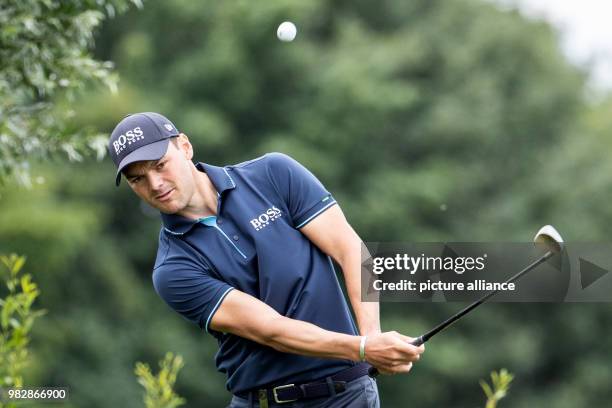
246 316
299 337
331 233
389 352
367 313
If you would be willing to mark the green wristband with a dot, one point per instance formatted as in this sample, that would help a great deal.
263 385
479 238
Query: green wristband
362 348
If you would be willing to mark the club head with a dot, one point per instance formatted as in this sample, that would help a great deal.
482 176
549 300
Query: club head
550 238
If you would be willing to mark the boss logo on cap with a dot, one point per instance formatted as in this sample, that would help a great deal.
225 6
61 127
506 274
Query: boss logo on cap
126 139
169 127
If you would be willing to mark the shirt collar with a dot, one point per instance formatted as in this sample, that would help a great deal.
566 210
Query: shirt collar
219 176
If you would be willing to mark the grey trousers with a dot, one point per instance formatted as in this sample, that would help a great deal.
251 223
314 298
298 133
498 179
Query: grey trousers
360 393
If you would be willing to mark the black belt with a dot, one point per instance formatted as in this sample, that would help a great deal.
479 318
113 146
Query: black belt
292 392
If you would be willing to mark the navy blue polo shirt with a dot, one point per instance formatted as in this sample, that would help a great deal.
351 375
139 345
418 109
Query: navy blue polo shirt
254 245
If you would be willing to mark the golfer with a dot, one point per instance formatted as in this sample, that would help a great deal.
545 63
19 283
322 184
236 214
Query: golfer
245 253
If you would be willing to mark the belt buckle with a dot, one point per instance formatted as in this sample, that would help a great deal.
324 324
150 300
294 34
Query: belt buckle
280 387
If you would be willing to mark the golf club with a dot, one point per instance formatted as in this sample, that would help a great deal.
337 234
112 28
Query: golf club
547 236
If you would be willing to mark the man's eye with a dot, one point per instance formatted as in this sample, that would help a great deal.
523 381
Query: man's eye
161 165
134 180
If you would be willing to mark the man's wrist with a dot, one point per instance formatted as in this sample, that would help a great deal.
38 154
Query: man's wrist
370 331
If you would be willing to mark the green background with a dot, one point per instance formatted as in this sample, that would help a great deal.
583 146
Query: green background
428 120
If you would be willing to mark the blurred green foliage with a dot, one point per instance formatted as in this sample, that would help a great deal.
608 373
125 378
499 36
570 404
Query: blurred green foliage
16 319
159 392
500 383
429 120
44 59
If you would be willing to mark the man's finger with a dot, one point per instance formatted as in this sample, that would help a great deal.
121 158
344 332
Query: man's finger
409 350
403 368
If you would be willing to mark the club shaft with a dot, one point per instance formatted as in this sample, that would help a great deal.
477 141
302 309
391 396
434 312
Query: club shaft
425 337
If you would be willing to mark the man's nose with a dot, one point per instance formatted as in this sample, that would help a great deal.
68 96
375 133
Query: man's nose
155 180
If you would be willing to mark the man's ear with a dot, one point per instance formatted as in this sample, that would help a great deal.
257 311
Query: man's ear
185 145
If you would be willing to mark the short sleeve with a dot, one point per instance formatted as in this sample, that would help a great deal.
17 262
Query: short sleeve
304 195
190 291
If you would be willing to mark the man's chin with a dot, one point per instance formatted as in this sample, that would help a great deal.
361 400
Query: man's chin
167 208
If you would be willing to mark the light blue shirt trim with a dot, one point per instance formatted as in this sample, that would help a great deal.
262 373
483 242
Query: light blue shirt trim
215 308
172 232
315 214
211 221
231 242
230 177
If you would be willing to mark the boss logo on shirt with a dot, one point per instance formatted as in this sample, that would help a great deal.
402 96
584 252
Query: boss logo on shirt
263 220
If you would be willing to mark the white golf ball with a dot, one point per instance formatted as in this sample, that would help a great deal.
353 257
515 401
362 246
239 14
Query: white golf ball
286 31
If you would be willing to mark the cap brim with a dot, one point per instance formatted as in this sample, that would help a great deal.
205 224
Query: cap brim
153 151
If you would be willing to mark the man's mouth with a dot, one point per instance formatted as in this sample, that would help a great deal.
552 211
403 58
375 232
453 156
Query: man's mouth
164 196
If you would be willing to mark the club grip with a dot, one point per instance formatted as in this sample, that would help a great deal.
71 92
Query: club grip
418 341
373 371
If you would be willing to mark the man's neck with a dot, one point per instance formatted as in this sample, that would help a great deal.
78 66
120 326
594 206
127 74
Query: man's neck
204 200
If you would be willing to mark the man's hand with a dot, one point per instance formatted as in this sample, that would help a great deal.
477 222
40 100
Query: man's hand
391 352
